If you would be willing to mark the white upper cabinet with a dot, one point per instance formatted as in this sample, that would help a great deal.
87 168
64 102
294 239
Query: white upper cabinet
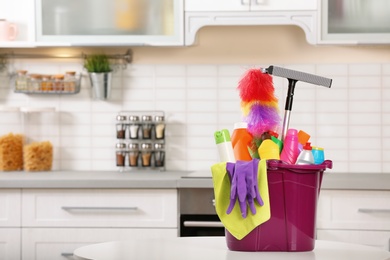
200 13
249 5
94 22
20 13
105 22
355 21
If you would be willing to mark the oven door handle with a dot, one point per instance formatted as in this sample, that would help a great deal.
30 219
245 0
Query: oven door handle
202 224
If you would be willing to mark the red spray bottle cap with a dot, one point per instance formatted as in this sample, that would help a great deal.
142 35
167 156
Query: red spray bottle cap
307 146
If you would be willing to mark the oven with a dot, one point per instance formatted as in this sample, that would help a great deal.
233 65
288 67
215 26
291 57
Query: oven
197 213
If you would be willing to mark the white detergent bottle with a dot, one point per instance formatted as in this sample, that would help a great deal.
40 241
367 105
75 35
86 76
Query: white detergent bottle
225 147
306 155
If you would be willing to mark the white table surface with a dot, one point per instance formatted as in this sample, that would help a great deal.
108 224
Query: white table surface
214 248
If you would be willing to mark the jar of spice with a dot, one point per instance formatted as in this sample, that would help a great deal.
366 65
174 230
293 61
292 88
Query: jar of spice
146 127
121 127
46 83
133 153
159 155
159 128
21 80
133 127
58 83
120 154
35 83
70 81
146 154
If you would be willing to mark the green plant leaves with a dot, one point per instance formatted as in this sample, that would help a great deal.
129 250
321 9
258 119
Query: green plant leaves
97 63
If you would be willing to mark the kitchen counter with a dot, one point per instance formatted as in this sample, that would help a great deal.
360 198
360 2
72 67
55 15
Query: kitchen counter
166 180
215 248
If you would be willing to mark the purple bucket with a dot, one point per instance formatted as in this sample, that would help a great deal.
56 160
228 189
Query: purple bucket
293 193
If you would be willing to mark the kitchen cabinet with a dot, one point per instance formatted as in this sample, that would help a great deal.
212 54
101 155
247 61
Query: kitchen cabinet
10 203
355 22
249 5
52 223
99 208
10 215
355 216
10 247
198 14
59 243
94 23
57 221
20 12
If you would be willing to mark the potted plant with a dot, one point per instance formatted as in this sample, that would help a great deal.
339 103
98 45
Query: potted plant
100 74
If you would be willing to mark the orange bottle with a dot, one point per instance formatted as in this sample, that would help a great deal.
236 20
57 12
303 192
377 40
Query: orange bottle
241 140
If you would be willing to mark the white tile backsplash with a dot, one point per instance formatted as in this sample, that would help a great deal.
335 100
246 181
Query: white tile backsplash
351 120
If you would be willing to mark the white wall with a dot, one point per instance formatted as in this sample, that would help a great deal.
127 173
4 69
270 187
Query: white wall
196 87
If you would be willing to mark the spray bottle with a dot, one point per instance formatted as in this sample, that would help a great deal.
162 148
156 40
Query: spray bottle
306 156
241 140
224 144
290 150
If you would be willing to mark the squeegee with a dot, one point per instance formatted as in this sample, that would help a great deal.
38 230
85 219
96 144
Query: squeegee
293 77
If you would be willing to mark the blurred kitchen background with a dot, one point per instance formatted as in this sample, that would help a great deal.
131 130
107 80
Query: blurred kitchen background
196 88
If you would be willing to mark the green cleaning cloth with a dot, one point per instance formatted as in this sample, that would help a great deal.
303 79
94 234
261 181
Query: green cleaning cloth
238 226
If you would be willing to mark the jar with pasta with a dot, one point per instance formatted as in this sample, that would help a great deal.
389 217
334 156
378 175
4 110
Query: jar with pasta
40 127
11 139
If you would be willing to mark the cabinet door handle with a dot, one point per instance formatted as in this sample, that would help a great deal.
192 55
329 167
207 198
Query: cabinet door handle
98 208
202 224
67 255
260 2
374 210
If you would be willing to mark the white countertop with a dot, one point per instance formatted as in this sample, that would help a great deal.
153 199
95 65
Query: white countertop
198 248
166 179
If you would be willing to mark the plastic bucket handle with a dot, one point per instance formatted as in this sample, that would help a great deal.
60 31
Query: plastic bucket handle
278 164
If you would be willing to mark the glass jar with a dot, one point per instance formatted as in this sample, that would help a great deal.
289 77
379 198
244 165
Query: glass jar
146 154
35 83
120 154
40 127
159 129
46 83
121 127
159 155
58 83
133 153
70 81
11 139
21 80
133 127
146 127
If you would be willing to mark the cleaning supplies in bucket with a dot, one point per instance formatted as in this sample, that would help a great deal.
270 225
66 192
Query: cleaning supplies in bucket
282 185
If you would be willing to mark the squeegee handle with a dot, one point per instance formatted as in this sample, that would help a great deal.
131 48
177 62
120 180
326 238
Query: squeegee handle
288 106
290 94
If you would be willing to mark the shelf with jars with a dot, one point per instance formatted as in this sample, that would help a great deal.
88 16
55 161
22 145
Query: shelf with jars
140 140
34 83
